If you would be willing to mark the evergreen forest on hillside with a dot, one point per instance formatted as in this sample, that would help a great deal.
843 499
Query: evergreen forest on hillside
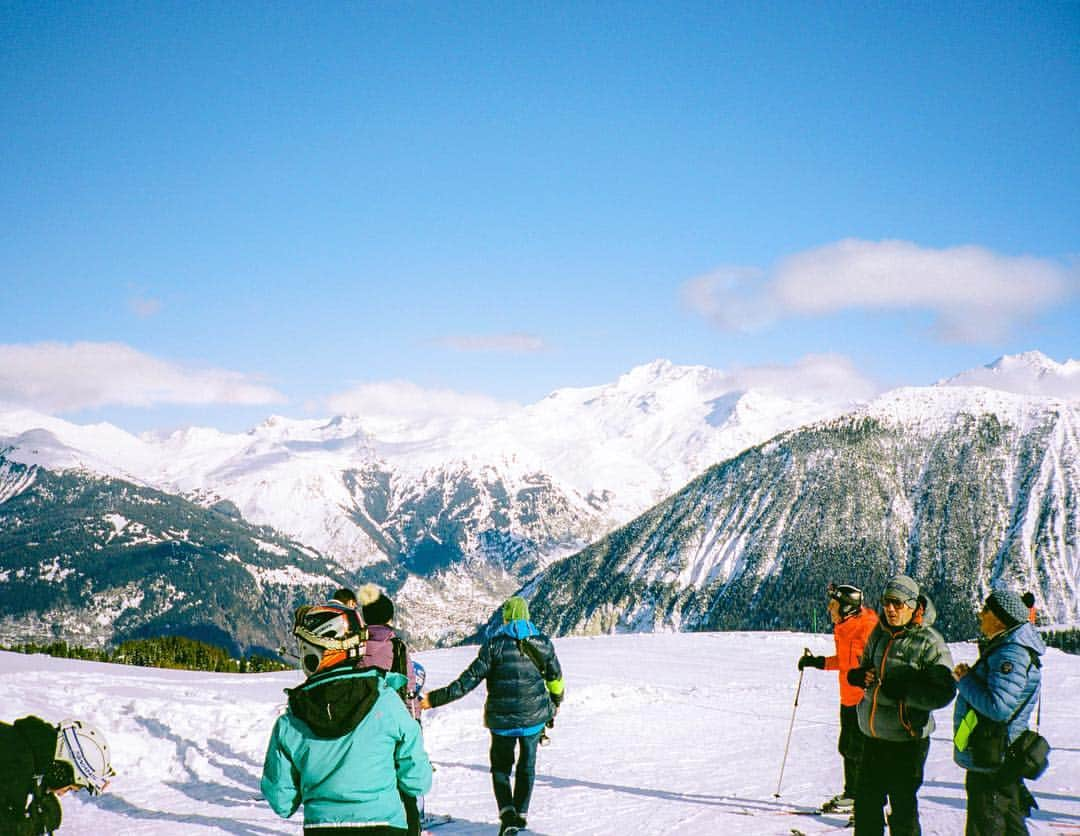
174 652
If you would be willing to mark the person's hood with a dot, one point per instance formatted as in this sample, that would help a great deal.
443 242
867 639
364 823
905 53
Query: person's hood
925 614
929 611
519 629
1022 634
335 702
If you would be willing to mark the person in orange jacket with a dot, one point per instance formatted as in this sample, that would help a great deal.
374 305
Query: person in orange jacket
852 625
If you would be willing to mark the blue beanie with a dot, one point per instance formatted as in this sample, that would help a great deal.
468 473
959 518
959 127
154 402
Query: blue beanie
1007 606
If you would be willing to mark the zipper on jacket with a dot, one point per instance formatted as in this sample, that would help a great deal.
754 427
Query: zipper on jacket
877 685
904 719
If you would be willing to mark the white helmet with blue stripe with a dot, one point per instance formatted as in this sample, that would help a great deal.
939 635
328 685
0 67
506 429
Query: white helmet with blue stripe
84 747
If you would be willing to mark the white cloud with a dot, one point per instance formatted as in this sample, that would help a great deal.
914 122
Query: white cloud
63 377
503 343
731 298
827 377
400 401
976 295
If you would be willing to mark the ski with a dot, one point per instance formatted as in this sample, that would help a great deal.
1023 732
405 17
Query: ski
431 822
814 812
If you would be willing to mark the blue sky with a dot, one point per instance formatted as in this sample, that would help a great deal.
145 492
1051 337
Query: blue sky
212 212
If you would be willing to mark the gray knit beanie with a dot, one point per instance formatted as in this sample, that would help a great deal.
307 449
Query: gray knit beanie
1008 606
902 587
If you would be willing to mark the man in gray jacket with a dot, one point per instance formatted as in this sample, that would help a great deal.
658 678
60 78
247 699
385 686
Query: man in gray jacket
906 670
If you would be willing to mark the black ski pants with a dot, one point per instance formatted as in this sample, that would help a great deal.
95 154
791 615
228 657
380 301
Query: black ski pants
502 763
412 812
851 748
996 805
894 772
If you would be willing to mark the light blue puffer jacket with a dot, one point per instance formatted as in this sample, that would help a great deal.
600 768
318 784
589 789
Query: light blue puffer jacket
347 762
1004 675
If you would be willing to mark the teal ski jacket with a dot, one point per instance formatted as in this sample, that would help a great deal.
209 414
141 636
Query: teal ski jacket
343 749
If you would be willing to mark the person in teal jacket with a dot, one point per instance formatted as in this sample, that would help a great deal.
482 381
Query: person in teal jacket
345 746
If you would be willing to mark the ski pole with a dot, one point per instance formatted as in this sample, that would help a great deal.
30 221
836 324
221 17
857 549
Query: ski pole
791 726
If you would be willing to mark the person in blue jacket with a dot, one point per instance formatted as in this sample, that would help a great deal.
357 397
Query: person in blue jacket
524 689
1002 686
346 746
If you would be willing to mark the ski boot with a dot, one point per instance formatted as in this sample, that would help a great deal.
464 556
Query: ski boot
508 818
839 804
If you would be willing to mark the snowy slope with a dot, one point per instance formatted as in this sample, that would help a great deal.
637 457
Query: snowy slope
659 734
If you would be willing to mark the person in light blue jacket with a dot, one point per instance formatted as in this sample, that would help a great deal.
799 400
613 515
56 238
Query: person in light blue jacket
346 745
1002 686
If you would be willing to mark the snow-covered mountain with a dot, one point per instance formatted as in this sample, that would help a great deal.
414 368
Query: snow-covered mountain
608 451
93 560
451 513
1030 373
960 487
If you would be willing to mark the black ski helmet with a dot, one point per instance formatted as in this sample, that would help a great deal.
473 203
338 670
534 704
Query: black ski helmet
849 597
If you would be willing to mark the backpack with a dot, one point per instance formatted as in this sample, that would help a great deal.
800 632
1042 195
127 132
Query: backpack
1028 756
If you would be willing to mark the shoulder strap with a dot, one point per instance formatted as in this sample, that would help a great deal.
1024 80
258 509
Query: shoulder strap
532 653
400 653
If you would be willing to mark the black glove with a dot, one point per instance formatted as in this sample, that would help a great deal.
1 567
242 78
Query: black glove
1028 599
857 676
809 661
898 681
45 813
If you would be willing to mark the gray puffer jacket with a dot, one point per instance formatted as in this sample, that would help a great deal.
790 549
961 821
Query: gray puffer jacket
913 677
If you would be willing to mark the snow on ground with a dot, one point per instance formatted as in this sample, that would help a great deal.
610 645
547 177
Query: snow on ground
659 734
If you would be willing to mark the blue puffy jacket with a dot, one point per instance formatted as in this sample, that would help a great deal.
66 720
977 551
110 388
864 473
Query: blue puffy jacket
1005 674
343 749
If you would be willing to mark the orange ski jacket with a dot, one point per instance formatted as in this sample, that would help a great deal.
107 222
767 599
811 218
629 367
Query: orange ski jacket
851 635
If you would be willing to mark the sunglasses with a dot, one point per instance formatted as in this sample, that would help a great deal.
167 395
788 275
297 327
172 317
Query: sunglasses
894 603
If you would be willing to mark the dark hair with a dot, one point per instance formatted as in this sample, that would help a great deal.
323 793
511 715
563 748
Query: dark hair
345 596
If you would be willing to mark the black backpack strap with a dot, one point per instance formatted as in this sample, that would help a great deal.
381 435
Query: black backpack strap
533 654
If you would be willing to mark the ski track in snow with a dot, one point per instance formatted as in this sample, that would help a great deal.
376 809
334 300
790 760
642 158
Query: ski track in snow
659 734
